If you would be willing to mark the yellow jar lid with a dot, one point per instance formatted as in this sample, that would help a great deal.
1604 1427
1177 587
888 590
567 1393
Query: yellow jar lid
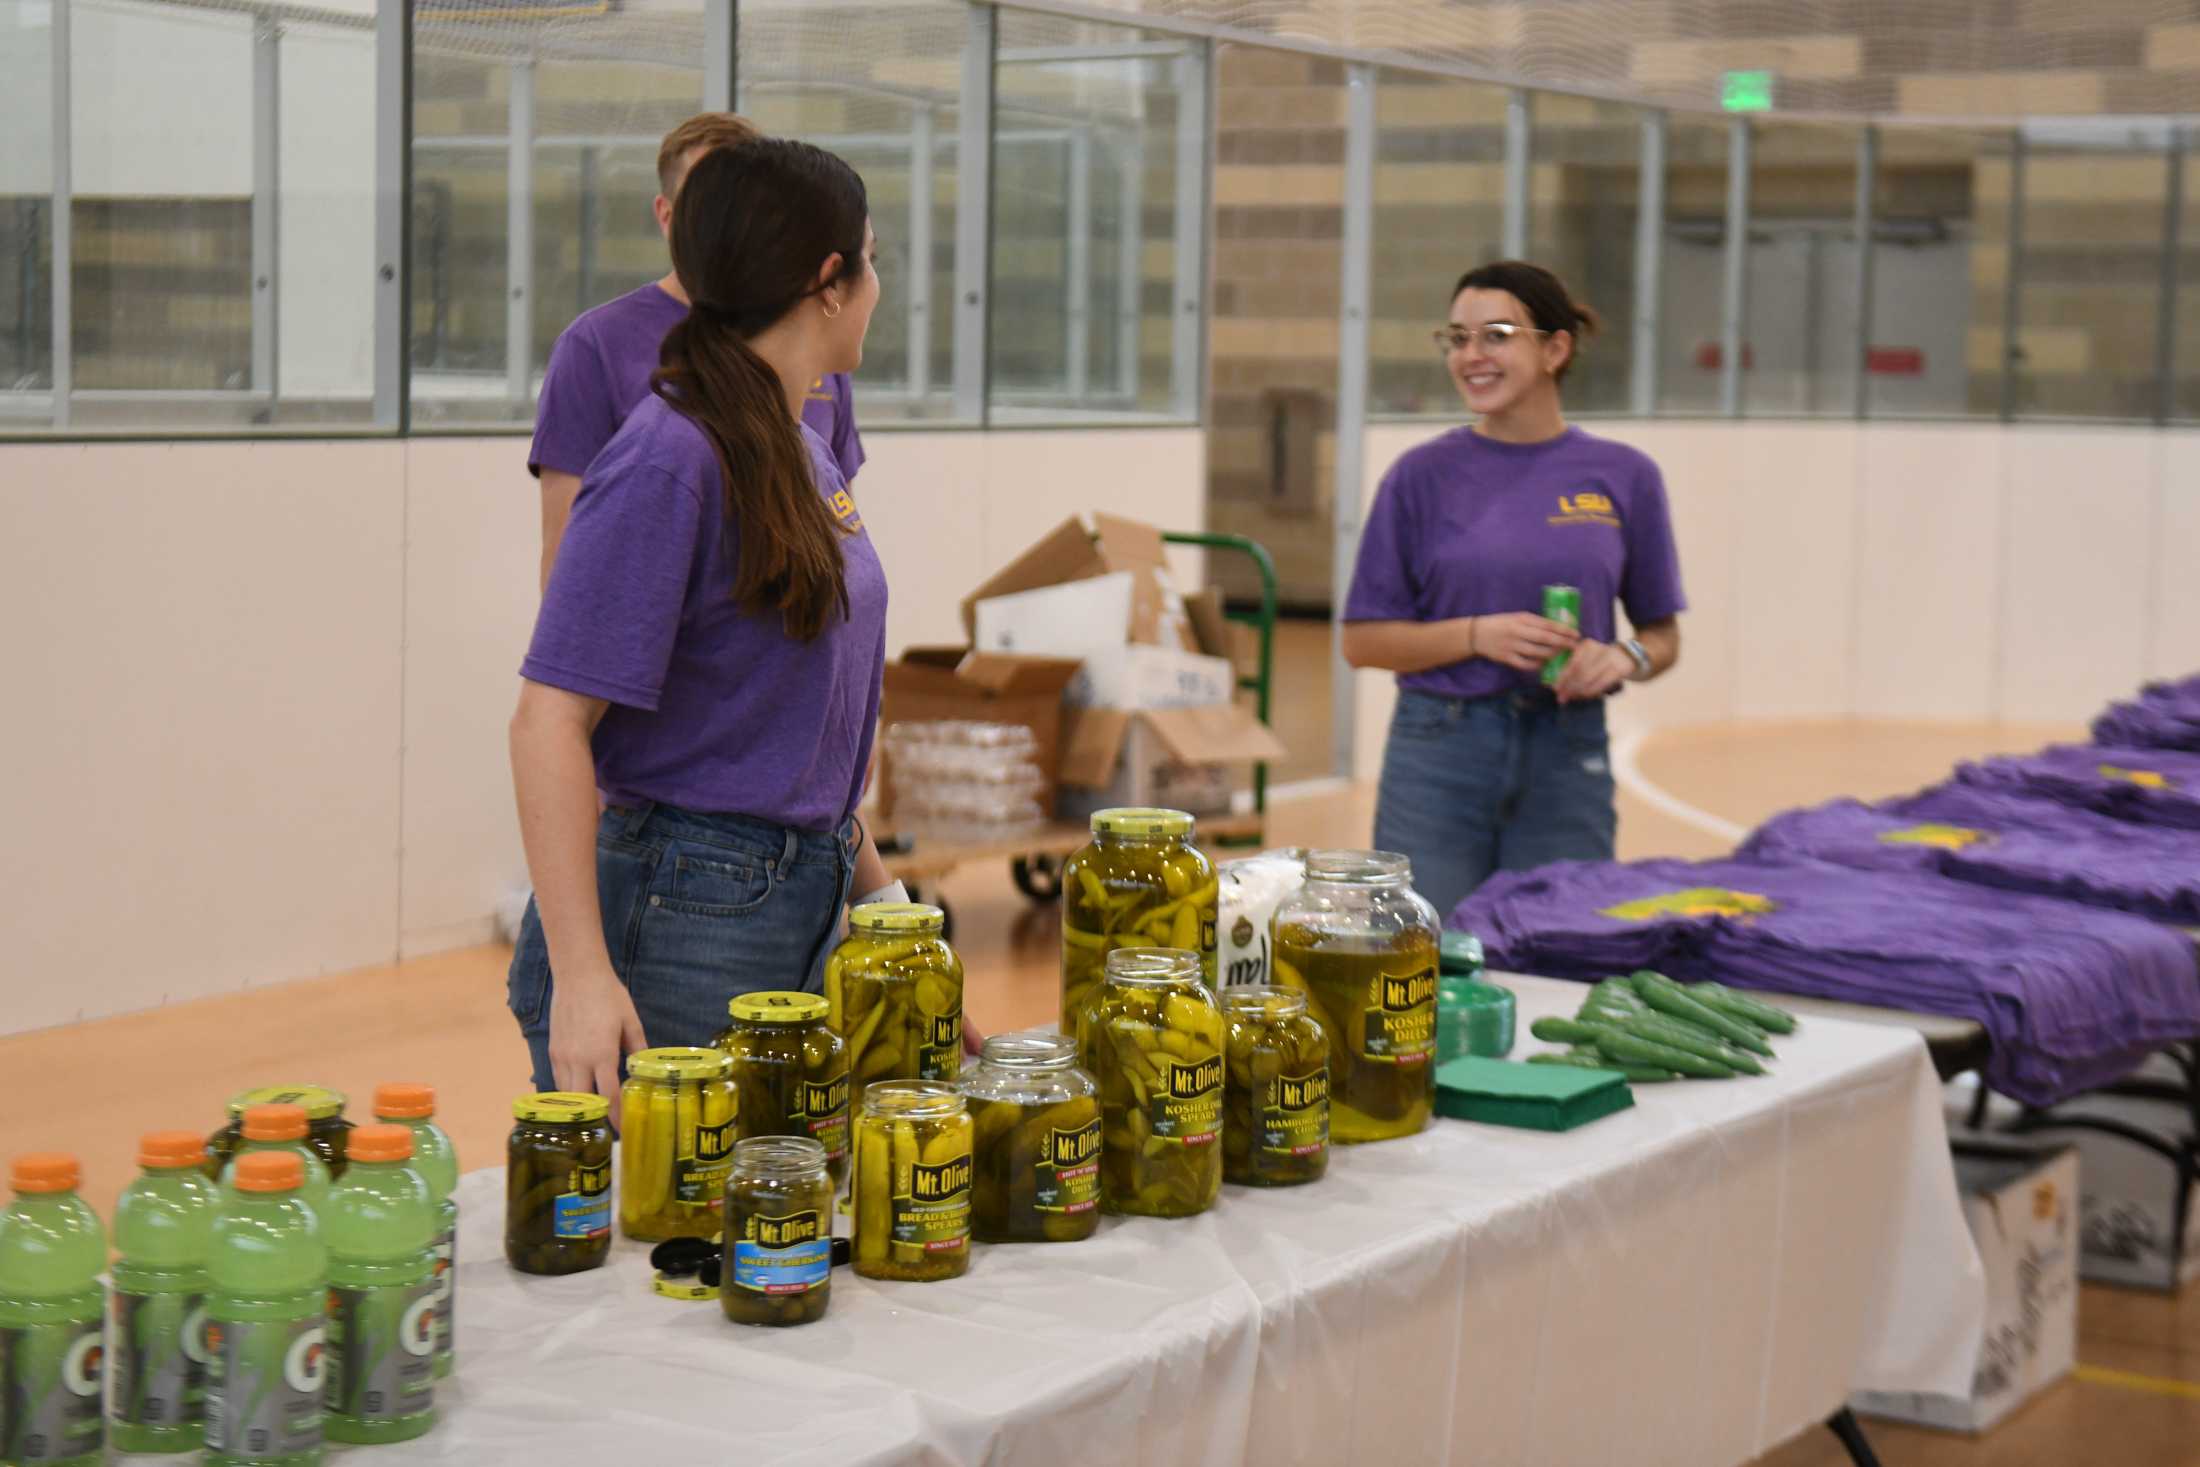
1138 820
898 917
780 1006
561 1105
679 1062
687 1290
318 1102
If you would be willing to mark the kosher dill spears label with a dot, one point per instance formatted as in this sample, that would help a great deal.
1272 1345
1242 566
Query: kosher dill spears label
1401 1018
158 1364
381 1350
1187 1105
51 1374
264 1384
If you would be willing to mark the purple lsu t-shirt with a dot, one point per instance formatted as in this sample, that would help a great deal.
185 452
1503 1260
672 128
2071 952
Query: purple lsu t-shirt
1469 526
599 372
713 707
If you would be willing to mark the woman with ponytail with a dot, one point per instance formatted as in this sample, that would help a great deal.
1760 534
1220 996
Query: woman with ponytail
697 706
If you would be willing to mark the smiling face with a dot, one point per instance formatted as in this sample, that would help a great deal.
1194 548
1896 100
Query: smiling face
1492 378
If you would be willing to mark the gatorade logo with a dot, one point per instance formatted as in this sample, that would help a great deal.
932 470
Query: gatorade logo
416 1331
714 1143
591 1181
195 1336
1189 1082
1302 1092
443 1279
1074 1148
824 1100
935 1183
947 1030
785 1232
1402 995
80 1368
304 1364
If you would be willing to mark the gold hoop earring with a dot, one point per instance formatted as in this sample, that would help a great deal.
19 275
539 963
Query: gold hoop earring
832 310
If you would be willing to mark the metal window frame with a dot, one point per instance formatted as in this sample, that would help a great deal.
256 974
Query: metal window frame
1519 172
1649 262
721 54
393 177
1356 297
1195 129
267 125
922 163
2012 292
61 222
2165 327
1734 296
974 217
1867 203
1077 264
519 232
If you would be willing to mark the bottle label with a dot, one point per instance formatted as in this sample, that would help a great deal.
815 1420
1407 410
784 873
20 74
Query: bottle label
1294 1120
446 1288
263 1386
50 1376
1068 1175
1401 1018
784 1255
1187 1106
381 1350
700 1177
583 1210
940 1056
823 1110
932 1206
158 1359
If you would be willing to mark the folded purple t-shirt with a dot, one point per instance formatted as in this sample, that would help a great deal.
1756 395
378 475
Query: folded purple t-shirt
599 372
2163 716
2143 786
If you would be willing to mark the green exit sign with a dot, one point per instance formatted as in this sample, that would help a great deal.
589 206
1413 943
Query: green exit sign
1746 91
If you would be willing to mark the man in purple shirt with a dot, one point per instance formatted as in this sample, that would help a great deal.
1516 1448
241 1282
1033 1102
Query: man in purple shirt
600 366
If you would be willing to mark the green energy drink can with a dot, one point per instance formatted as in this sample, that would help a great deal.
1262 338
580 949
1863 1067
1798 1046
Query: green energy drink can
1561 604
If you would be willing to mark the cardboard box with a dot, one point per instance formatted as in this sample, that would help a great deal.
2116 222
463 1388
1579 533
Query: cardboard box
930 683
1136 679
2021 1202
1178 758
2128 1213
1075 619
1074 552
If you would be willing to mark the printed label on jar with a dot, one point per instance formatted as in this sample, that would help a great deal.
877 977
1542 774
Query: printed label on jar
784 1255
940 1057
381 1350
263 1387
1295 1119
1068 1176
584 1209
159 1359
934 1213
51 1378
701 1178
824 1110
1187 1108
1401 1018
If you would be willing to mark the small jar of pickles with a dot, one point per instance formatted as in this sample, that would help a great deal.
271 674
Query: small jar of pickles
676 1134
1153 1041
1140 883
557 1183
1275 1089
1035 1118
1361 944
778 1267
912 1182
790 1072
326 1128
895 989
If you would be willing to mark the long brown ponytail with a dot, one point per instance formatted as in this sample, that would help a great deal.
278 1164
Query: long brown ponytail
750 229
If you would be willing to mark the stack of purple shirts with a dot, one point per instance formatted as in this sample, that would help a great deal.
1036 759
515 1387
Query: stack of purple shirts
2071 997
2163 716
2012 841
2143 786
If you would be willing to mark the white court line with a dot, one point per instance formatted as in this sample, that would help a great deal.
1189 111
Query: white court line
1628 775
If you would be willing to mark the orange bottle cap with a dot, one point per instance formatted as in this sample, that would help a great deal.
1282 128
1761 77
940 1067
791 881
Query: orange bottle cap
401 1101
44 1171
380 1143
171 1149
269 1171
275 1123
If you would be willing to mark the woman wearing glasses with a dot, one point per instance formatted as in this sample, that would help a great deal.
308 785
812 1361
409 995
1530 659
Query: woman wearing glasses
1487 767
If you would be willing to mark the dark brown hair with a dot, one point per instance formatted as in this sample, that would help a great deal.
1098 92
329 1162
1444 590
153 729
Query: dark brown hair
751 230
1550 306
703 130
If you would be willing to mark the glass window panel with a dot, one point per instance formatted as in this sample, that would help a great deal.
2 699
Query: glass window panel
26 212
1693 263
1584 195
1940 259
323 292
1799 339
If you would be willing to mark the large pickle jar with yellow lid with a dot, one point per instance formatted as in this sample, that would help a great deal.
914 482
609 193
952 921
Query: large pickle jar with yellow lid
1036 1122
778 1264
913 1182
1153 1040
557 1183
1361 944
1275 1089
896 993
676 1135
1140 883
790 1072
326 1128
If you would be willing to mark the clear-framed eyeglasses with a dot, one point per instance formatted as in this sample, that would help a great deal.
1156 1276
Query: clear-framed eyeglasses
1493 335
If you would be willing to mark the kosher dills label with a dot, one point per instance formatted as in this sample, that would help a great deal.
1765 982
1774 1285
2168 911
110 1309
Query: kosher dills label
158 1359
51 1375
381 1350
264 1385
1401 1018
701 1177
1187 1106
1294 1121
940 1058
823 1110
583 1210
934 1209
1067 1177
784 1255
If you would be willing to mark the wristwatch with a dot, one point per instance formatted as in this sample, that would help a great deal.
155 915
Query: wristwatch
1633 649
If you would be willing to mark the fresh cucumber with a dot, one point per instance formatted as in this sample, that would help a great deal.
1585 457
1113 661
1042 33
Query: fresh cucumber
1668 997
1635 1074
1741 1006
1620 1045
1658 1029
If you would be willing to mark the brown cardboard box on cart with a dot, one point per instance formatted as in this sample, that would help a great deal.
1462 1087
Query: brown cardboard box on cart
928 683
1179 758
1074 551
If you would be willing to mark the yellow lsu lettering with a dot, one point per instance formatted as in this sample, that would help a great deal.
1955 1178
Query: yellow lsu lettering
932 1183
785 1232
1403 994
1586 502
1074 1148
1189 1082
844 509
1302 1092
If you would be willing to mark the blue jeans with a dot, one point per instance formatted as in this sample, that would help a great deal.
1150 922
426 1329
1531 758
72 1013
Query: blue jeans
1503 783
697 910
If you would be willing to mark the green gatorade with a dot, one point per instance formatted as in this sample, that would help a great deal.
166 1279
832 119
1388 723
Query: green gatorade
51 1253
381 1300
266 1317
156 1362
282 1129
413 1107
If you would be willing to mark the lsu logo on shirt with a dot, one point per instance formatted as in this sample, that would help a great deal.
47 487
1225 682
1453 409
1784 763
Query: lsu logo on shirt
844 510
1586 507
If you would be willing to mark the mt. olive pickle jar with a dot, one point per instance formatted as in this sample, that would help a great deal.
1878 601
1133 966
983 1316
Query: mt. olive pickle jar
326 1128
1153 1040
1036 1123
896 991
1362 946
557 1183
676 1124
778 1266
913 1182
1139 884
1275 1089
790 1072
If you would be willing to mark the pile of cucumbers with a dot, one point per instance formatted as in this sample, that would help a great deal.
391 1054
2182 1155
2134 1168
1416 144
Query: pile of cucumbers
1649 1028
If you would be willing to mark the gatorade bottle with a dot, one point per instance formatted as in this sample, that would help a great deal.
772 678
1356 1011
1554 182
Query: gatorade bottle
282 1128
266 1313
51 1252
164 1227
413 1107
381 1300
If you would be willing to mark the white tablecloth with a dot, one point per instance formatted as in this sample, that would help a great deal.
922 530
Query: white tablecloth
1691 1281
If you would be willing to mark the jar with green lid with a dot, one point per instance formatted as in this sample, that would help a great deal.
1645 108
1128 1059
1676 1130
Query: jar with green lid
1275 1088
1153 1041
790 1071
326 1127
1140 883
778 1265
1035 1123
896 992
913 1182
1361 944
557 1183
676 1134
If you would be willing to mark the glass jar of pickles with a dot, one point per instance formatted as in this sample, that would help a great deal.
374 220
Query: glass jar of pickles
676 1134
912 1182
1361 944
1140 883
1035 1118
790 1072
778 1266
896 993
1153 1041
1275 1089
326 1128
557 1183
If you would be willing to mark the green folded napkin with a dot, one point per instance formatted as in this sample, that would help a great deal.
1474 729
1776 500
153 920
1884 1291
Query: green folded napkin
1531 1097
